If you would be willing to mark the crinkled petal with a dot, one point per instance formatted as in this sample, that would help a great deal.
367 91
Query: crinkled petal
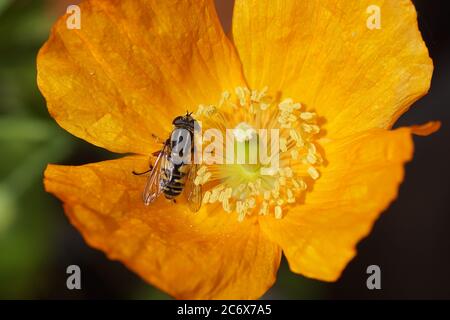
360 181
321 53
207 255
426 129
132 67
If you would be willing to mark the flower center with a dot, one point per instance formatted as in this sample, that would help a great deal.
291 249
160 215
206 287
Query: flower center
269 157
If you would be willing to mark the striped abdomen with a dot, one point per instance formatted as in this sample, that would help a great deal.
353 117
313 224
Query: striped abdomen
175 186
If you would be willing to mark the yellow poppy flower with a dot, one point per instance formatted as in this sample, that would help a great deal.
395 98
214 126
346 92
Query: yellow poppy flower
312 68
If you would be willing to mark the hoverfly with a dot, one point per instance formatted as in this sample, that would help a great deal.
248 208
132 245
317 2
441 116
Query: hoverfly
174 172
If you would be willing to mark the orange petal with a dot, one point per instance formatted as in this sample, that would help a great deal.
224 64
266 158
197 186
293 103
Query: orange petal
321 53
202 255
132 67
426 129
360 181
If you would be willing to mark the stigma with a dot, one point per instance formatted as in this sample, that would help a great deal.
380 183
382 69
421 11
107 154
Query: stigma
270 156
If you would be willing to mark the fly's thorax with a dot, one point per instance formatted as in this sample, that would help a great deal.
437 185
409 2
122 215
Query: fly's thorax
181 145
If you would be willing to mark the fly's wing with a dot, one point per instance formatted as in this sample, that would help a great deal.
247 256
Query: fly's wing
193 192
159 176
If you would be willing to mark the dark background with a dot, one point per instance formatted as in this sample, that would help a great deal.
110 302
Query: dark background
410 242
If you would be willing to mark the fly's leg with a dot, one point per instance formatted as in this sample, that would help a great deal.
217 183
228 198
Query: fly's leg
155 154
157 139
145 172
142 173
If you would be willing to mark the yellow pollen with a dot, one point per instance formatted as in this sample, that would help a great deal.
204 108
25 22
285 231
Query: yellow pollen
259 188
278 212
311 158
264 208
206 197
313 173
283 145
307 115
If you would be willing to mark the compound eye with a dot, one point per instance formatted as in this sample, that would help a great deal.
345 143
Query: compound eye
177 120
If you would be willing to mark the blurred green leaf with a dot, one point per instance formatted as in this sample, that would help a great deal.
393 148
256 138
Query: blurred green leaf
25 220
8 208
4 4
26 129
24 23
26 246
32 167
